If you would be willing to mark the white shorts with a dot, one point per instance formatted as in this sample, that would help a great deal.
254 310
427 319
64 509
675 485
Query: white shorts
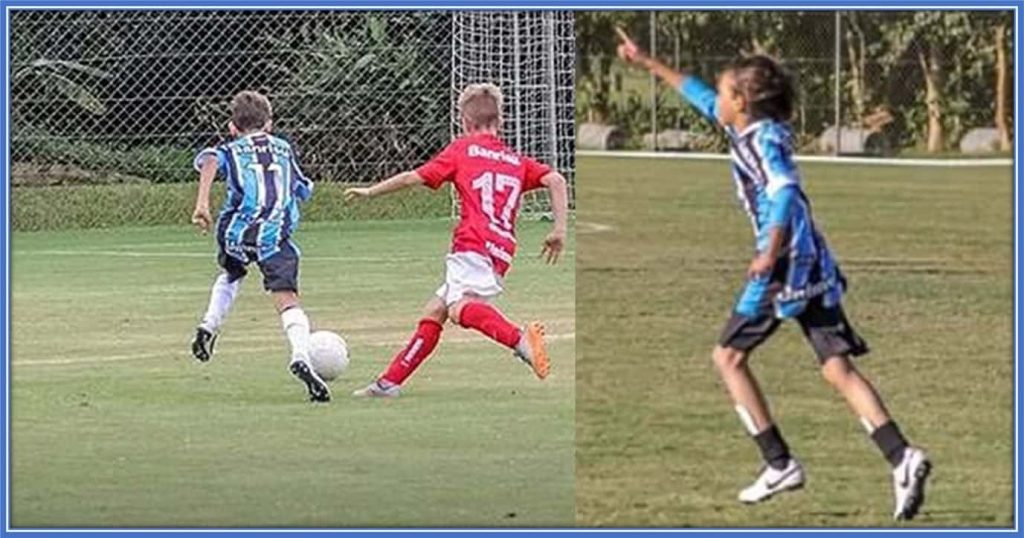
468 273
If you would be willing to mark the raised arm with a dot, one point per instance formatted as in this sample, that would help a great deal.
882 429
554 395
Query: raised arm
693 89
632 54
555 241
394 183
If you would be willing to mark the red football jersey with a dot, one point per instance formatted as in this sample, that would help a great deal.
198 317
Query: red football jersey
490 179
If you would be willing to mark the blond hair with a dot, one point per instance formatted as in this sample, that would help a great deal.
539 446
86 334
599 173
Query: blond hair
250 110
480 106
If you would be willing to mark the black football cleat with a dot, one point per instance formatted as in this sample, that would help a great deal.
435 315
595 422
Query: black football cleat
202 344
317 389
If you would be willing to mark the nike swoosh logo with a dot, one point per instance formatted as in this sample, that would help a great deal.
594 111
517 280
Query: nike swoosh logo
906 477
787 474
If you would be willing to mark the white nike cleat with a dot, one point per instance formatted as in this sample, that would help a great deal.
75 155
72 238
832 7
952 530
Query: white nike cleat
908 481
376 389
772 481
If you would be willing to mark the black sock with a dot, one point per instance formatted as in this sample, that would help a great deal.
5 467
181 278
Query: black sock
890 441
773 447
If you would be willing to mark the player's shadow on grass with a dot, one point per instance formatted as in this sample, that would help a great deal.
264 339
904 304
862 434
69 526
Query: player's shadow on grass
836 513
930 518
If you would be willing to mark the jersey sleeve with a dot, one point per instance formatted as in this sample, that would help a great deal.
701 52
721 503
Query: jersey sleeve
783 202
439 169
533 172
701 96
776 151
218 152
302 186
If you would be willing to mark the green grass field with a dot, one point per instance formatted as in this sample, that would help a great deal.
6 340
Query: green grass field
113 423
663 248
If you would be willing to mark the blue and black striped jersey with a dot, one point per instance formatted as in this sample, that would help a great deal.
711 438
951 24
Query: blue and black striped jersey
768 187
264 186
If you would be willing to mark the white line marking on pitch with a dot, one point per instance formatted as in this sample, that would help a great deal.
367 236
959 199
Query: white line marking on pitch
941 163
592 227
122 358
211 255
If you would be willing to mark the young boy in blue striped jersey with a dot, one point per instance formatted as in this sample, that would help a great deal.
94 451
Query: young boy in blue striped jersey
259 215
792 276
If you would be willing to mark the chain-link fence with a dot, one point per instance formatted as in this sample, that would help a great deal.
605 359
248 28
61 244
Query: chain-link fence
109 107
897 82
532 56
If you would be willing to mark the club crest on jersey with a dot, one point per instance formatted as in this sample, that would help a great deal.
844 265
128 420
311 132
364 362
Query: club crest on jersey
494 155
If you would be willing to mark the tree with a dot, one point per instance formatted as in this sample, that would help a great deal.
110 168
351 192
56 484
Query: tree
1002 69
941 35
928 75
382 63
595 56
72 80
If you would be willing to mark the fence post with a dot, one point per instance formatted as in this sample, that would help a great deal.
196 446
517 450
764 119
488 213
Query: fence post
838 82
516 81
654 81
553 82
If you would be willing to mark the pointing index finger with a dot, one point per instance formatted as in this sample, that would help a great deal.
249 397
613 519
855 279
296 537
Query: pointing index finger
623 35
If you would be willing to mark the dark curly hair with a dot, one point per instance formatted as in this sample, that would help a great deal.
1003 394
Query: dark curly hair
766 86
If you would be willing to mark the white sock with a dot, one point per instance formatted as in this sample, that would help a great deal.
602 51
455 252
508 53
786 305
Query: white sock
522 348
296 326
222 296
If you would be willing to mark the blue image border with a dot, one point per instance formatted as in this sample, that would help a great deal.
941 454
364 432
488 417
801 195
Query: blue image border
5 281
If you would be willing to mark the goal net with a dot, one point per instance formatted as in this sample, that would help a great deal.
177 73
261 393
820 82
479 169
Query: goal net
530 55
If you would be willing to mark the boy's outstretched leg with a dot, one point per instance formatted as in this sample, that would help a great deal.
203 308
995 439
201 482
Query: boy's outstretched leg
409 358
222 297
910 465
527 344
296 328
781 472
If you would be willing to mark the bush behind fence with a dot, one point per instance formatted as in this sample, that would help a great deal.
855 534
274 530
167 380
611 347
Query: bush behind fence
108 206
909 82
108 108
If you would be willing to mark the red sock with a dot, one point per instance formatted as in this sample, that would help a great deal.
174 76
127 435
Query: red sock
486 319
423 342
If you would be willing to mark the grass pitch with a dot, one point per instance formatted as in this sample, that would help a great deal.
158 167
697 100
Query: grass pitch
663 249
114 424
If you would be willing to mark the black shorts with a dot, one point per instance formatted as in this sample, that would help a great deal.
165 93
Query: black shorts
826 329
280 271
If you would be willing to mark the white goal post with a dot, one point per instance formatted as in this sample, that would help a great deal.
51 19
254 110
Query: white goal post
530 55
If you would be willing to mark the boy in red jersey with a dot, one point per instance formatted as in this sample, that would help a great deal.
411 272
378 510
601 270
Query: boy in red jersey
490 179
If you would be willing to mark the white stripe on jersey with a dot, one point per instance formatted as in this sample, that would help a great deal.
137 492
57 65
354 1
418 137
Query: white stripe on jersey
279 185
498 252
497 229
748 205
741 154
278 212
737 159
261 189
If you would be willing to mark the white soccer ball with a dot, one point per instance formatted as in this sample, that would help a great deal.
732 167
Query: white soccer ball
328 354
